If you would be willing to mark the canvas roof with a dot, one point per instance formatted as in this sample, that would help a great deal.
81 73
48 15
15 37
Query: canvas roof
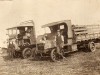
23 24
54 23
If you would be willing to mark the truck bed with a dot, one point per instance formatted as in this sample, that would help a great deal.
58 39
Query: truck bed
86 32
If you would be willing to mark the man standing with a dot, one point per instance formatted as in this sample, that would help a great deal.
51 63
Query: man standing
59 43
11 49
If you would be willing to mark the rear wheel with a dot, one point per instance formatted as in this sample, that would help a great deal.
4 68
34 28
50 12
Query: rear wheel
91 46
27 53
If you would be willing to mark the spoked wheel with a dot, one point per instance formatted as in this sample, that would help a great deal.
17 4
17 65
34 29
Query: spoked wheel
27 53
92 46
54 55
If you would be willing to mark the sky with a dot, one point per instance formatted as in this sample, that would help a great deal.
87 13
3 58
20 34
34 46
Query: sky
81 12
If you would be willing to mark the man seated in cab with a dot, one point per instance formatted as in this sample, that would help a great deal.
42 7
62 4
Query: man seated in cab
26 37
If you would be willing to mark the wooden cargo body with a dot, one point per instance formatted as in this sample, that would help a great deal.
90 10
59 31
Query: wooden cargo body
86 32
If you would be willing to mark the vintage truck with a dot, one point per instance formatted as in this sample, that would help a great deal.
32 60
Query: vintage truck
21 39
76 37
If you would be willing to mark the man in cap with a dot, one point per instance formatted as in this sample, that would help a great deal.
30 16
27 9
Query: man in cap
59 43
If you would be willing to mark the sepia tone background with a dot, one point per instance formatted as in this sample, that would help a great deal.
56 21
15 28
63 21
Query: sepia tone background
12 12
81 12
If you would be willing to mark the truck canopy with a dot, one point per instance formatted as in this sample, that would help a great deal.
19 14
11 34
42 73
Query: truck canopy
29 23
55 23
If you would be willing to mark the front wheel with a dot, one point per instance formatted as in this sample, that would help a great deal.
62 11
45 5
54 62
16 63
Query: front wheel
54 55
27 53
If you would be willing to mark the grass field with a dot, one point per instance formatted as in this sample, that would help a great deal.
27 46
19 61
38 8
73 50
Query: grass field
78 63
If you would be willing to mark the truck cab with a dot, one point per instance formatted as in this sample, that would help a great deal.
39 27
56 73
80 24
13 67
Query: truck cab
22 37
65 28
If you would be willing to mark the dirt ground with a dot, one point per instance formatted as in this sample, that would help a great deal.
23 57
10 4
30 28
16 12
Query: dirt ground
77 63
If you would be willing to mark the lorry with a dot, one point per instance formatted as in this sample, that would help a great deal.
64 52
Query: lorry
21 39
76 37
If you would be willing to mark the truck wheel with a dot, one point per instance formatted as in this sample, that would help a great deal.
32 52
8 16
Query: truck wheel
53 55
91 46
27 53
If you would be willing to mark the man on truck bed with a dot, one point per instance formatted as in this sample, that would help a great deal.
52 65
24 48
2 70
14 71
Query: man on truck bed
59 43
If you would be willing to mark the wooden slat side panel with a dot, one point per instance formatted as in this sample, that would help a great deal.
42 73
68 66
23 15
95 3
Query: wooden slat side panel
86 32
